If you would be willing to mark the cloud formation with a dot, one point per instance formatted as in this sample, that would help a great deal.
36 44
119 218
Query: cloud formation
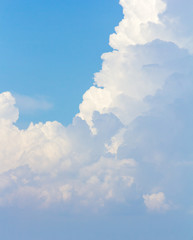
131 140
52 163
156 202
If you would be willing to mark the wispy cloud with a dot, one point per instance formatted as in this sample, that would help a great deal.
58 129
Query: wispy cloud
29 104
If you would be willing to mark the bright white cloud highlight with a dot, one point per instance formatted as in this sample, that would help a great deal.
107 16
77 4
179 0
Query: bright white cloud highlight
140 64
135 28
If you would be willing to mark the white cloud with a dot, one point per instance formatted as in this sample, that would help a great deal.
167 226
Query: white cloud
55 163
8 113
156 202
136 26
140 111
128 73
146 21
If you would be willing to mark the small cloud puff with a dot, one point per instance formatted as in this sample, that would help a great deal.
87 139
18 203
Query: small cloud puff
156 202
8 112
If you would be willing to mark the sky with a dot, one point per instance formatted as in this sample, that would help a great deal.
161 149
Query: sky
48 48
96 120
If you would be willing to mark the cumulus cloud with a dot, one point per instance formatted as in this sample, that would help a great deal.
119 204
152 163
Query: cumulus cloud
8 113
53 163
156 202
133 134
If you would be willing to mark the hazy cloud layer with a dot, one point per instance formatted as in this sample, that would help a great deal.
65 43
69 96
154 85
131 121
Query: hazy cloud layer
132 140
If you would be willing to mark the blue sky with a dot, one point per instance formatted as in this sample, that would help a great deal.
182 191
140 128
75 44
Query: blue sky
51 49
96 120
55 225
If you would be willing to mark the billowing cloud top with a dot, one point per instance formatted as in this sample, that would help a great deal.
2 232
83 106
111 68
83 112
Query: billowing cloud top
131 142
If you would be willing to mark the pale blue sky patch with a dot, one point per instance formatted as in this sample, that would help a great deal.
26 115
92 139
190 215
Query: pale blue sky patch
30 105
52 49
